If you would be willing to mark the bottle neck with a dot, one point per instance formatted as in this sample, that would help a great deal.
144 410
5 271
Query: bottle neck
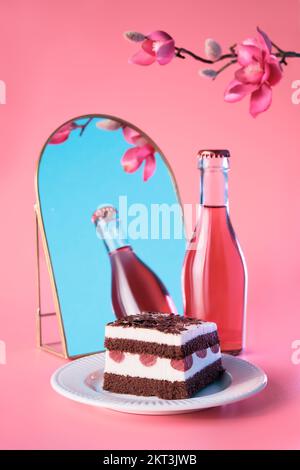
111 234
214 183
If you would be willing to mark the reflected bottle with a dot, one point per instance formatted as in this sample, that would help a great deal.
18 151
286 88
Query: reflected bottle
214 274
134 286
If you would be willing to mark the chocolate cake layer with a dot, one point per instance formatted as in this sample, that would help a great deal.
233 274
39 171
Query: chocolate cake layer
162 350
163 388
166 323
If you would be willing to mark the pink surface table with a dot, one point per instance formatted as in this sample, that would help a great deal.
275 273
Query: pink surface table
34 416
60 59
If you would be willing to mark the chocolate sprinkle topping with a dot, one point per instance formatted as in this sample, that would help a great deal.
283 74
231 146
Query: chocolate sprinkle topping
165 322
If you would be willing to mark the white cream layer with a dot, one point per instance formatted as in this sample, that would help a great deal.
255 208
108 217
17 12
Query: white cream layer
161 370
155 336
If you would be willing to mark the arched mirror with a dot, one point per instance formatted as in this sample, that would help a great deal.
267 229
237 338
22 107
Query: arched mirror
88 162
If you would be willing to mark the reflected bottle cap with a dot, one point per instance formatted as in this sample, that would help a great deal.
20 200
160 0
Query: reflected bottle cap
108 228
105 213
213 158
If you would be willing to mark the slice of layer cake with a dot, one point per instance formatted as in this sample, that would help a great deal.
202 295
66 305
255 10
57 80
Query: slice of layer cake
165 355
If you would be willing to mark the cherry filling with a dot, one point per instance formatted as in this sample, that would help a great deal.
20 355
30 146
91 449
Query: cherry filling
148 360
215 348
201 353
182 364
117 356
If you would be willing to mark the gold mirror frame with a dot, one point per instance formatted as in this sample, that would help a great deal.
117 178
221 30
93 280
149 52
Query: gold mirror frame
41 236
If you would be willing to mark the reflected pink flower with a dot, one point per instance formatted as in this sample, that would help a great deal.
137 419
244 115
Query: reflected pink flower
108 124
134 137
158 47
142 151
134 157
63 133
260 71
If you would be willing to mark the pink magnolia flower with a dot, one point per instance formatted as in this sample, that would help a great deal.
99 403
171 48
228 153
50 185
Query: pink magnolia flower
134 137
142 152
62 133
135 156
259 72
156 47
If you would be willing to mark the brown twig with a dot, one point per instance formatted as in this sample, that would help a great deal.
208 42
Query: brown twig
84 126
233 61
181 52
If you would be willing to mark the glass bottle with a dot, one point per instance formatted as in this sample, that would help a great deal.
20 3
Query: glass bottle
214 276
134 286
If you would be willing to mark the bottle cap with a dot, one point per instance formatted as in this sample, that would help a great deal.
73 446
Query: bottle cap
213 159
223 153
105 212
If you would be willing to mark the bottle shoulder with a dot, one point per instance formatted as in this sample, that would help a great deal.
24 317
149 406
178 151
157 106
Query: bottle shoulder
214 229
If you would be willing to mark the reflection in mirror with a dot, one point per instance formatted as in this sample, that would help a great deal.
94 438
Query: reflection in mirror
104 170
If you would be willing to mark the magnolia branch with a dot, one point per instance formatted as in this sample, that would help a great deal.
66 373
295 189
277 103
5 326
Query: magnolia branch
182 53
84 126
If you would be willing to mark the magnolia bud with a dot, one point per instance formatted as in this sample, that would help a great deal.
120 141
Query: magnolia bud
109 125
212 49
134 36
208 73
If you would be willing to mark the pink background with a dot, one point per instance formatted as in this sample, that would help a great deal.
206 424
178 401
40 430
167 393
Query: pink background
61 59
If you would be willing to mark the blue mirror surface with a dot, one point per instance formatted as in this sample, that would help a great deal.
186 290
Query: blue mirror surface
75 176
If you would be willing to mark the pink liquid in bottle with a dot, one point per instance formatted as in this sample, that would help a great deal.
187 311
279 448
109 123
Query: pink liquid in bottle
135 287
214 272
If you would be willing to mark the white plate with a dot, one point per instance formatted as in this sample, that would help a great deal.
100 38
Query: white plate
81 380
